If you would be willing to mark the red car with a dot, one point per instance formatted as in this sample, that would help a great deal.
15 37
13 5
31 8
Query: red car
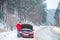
27 31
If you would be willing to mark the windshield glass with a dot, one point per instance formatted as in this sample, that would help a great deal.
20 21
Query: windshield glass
28 30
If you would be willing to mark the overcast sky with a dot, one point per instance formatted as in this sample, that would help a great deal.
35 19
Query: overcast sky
52 4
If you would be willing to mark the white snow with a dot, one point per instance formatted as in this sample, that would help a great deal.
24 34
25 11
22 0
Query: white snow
2 26
11 35
56 29
41 33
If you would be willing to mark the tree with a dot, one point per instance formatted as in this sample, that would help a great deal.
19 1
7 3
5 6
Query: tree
1 9
27 8
57 16
31 10
1 15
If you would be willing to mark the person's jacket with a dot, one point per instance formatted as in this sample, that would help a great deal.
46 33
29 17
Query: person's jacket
18 27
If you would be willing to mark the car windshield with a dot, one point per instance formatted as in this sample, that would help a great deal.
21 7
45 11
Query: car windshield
28 30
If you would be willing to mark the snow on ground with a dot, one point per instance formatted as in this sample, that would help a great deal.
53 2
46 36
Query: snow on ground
57 29
46 34
8 35
43 33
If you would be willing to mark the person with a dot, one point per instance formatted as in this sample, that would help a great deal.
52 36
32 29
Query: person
18 27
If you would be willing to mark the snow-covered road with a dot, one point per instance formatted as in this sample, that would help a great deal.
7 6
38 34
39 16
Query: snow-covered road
46 34
43 33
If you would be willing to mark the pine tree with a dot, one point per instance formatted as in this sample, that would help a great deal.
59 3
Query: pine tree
34 10
57 16
1 9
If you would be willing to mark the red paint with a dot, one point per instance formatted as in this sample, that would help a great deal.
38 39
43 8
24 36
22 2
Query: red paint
18 27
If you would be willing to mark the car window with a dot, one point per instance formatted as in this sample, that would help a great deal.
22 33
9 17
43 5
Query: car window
29 30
